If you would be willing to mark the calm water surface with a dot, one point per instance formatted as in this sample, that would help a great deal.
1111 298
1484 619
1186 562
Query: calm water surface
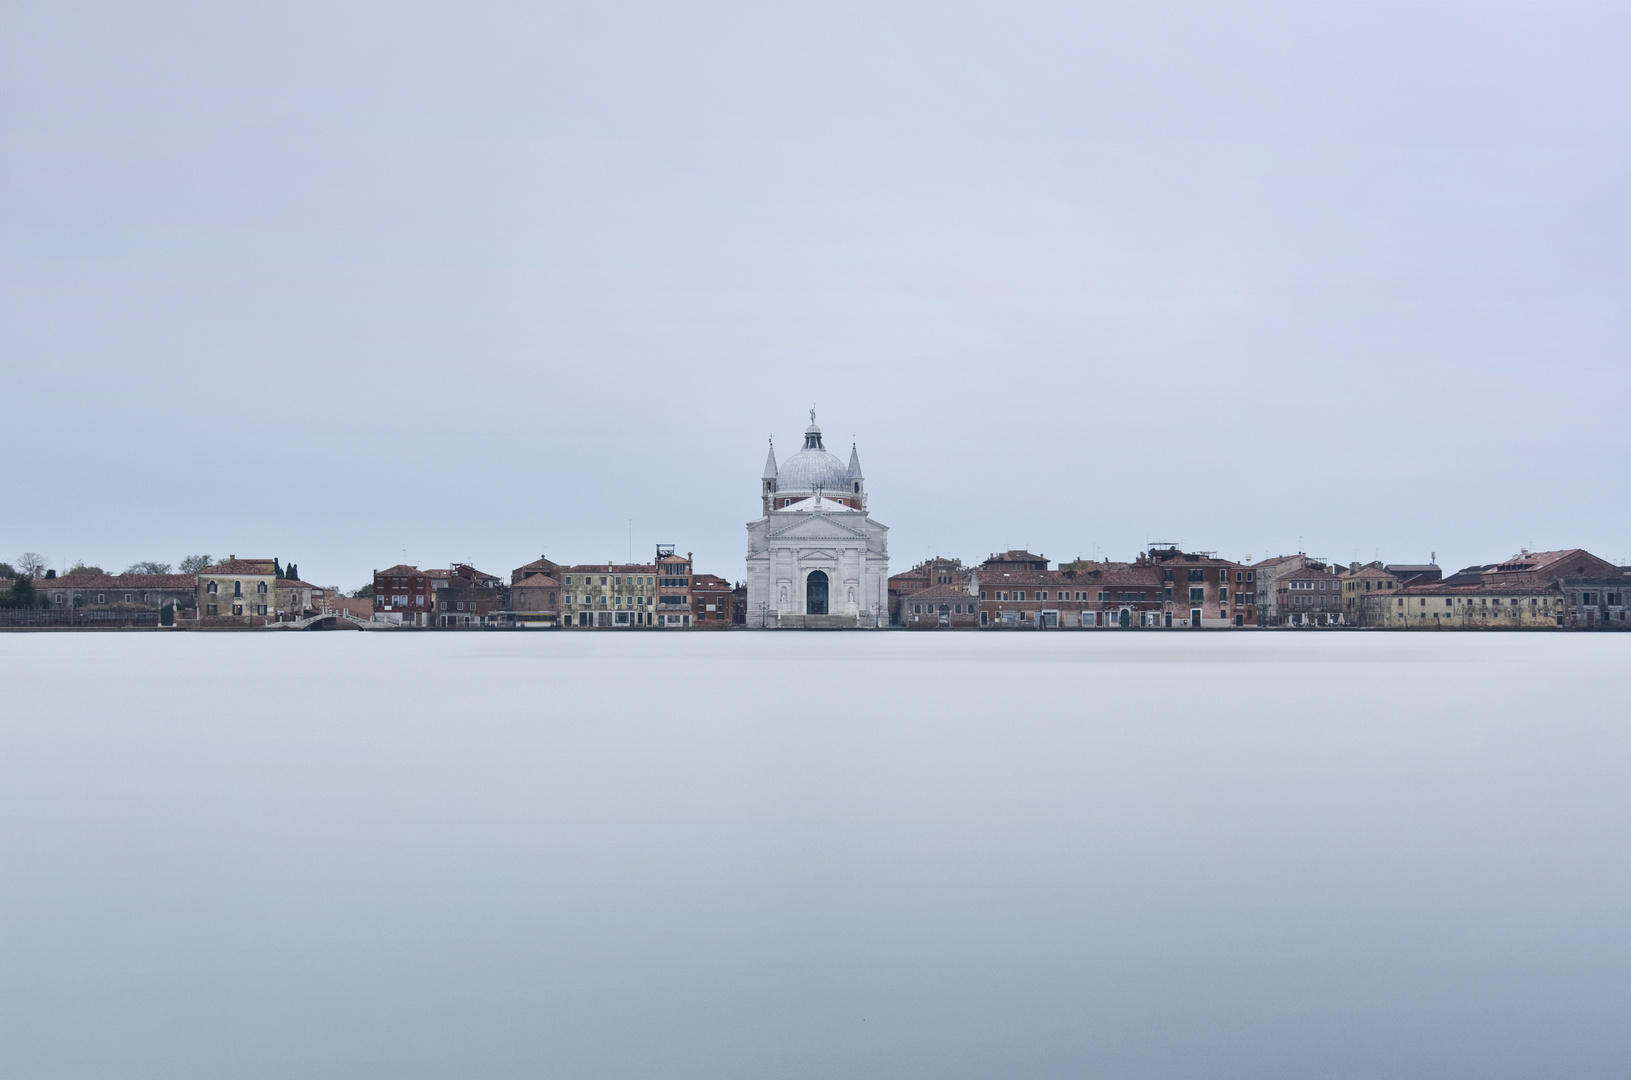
815 855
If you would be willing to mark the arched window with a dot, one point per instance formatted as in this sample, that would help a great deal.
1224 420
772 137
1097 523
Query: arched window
237 588
211 588
261 588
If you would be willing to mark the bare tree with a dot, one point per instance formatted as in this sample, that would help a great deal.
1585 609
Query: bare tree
31 563
148 567
195 564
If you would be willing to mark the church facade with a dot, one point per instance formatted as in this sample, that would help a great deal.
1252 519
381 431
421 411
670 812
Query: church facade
815 559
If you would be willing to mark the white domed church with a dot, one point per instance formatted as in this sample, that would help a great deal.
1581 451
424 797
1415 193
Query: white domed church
815 559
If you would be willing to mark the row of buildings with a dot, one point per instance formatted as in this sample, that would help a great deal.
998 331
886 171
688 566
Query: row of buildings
231 593
236 593
816 559
1167 587
665 593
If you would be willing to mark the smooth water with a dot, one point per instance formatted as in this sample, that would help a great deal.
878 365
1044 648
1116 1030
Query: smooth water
1111 854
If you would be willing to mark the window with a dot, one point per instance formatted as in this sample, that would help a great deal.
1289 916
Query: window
1019 596
1248 575
1223 575
1197 575
237 588
1104 597
982 594
261 588
1041 596
210 588
127 597
1196 596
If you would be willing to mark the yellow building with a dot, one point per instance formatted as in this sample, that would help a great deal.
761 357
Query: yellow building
1358 582
615 595
238 588
1464 607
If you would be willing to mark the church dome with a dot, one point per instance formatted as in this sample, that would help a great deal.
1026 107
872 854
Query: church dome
812 468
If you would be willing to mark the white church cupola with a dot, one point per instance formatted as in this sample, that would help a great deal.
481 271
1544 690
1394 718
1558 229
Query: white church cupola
816 559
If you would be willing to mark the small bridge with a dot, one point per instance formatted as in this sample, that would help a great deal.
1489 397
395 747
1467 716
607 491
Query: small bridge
331 620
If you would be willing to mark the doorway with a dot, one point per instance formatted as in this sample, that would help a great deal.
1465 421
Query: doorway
815 593
1195 618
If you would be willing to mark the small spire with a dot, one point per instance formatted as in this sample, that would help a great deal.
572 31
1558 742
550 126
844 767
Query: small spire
770 463
854 464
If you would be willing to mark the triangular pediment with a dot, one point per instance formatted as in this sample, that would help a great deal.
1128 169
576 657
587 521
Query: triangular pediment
819 527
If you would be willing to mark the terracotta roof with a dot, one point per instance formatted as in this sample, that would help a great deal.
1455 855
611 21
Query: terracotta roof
118 581
1440 589
1279 559
242 566
400 570
709 581
938 592
1367 571
1017 555
295 583
537 581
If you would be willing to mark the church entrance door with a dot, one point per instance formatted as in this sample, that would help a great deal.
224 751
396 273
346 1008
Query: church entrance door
815 593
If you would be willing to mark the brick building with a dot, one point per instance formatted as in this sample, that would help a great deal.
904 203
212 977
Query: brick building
535 600
1204 590
936 571
1010 592
467 598
948 607
404 594
712 598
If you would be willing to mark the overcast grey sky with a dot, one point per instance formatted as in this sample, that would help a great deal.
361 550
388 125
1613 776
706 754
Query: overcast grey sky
342 281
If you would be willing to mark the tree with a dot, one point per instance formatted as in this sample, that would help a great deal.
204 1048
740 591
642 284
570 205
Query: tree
79 567
364 593
148 567
22 594
196 564
31 563
7 570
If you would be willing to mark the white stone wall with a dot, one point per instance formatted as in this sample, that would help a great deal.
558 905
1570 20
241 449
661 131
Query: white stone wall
785 546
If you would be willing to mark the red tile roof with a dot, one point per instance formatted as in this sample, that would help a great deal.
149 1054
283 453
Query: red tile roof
242 566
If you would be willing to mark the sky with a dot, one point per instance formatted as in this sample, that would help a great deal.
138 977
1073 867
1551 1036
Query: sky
350 284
